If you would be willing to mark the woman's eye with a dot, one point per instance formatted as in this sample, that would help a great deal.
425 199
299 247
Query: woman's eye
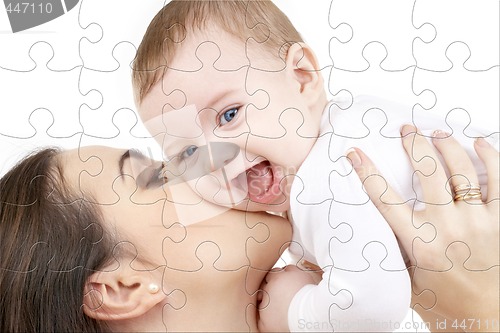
228 116
188 152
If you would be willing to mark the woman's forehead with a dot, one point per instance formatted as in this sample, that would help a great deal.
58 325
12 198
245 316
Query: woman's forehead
90 168
85 153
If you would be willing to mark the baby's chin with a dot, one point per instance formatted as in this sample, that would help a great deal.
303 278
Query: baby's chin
275 207
280 204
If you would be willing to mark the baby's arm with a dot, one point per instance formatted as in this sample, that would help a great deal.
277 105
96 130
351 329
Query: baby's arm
280 286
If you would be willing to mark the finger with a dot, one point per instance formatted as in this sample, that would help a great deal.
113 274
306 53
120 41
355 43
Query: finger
459 164
425 162
391 206
309 266
490 158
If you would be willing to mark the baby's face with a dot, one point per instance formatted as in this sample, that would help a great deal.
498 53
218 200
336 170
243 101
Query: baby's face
235 132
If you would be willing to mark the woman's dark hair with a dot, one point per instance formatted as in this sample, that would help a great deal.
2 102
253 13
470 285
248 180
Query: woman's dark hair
51 241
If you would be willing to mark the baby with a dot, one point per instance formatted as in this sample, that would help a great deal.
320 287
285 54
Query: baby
237 101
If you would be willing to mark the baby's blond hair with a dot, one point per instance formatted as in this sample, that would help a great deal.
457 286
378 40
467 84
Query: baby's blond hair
244 19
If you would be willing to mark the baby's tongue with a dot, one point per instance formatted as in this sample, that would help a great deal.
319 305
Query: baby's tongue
259 179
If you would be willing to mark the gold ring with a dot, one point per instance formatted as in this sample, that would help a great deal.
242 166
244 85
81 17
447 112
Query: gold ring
470 195
466 188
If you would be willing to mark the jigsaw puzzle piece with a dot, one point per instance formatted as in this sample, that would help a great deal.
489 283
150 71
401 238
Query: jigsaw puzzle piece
202 245
224 53
65 43
477 92
375 80
322 195
261 37
165 109
364 18
127 270
94 167
116 92
364 250
454 22
92 234
442 297
454 251
126 132
35 135
188 301
98 54
60 97
336 305
316 35
367 118
289 120
426 300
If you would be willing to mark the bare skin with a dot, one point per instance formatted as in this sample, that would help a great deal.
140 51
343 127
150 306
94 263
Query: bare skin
207 261
455 264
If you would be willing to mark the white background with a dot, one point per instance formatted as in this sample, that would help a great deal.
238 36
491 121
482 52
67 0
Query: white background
67 82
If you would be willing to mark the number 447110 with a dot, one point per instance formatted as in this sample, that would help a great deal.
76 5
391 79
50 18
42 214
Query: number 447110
475 324
29 8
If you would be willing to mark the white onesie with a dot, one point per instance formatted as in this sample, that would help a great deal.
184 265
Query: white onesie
365 285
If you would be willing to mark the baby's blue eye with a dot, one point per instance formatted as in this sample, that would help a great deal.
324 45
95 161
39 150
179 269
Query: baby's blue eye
188 152
228 116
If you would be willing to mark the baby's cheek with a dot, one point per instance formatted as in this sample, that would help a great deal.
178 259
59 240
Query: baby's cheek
220 189
211 188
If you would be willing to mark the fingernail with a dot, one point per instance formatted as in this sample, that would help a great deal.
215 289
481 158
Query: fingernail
440 134
407 129
481 142
353 155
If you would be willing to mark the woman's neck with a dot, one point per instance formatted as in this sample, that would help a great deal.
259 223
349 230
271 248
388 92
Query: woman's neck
229 305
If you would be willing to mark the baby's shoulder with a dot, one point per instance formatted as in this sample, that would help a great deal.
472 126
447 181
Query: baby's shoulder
363 115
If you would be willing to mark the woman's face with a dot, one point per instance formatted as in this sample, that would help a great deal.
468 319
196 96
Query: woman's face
170 228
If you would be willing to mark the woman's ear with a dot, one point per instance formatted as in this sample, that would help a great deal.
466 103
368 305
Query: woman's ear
120 294
302 64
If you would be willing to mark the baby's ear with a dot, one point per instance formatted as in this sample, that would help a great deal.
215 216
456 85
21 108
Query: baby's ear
303 66
119 294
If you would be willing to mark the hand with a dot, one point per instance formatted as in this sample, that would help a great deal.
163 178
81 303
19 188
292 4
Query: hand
453 246
280 286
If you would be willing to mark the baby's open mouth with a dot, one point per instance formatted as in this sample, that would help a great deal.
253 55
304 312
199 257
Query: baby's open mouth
262 183
260 179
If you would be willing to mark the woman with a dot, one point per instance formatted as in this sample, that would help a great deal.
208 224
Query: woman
453 246
93 241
